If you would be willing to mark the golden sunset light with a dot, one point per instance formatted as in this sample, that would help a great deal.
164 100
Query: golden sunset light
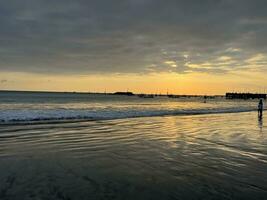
133 99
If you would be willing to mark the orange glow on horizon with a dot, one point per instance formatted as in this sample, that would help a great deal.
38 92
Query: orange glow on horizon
173 83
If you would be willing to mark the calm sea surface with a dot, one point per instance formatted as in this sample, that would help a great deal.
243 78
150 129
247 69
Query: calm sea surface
117 147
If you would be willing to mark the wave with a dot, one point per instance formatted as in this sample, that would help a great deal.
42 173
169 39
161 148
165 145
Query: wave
59 115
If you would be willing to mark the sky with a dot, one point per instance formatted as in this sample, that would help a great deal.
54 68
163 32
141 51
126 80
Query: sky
152 46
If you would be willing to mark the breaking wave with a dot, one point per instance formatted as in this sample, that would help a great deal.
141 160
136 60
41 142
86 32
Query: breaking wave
34 116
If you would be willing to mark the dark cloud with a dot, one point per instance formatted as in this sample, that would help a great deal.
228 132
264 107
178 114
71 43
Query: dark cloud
132 36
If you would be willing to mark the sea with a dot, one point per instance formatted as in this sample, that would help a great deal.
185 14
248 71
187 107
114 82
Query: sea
70 146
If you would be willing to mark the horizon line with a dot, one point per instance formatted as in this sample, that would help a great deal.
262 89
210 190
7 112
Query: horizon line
95 92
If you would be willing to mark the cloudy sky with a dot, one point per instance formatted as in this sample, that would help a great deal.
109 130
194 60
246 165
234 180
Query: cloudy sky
184 46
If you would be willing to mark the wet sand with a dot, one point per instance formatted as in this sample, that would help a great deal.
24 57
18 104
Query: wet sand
217 156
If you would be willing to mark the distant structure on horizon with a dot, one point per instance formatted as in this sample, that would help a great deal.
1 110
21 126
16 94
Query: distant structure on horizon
230 95
124 93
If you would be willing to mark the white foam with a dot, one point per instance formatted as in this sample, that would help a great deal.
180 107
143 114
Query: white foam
28 115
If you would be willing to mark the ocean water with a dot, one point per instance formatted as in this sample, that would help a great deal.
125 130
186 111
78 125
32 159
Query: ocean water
29 107
116 147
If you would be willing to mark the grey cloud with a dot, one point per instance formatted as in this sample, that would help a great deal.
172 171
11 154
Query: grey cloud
129 36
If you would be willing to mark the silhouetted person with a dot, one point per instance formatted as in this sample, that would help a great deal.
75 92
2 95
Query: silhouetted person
260 108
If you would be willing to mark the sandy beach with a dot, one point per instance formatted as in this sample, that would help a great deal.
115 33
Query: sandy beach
215 156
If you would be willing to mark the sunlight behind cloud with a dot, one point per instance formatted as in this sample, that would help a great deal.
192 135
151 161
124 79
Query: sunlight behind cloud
130 39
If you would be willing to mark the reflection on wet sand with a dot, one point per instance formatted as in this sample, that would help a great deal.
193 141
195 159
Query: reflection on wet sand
260 122
217 156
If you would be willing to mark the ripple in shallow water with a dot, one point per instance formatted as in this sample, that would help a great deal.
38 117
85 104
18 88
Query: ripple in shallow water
189 157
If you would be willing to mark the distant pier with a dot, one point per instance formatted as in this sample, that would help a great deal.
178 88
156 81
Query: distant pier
124 93
230 95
